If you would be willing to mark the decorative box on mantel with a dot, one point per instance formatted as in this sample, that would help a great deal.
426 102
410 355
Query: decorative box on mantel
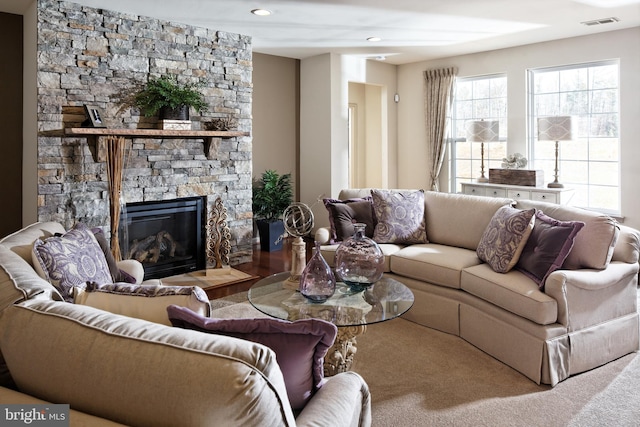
166 124
527 177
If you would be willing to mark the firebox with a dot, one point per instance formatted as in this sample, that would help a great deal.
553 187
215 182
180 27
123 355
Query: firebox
166 236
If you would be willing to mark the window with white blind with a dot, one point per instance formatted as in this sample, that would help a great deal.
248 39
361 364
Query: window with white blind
590 162
477 98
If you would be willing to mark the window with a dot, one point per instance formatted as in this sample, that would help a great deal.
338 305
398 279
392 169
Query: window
477 98
590 163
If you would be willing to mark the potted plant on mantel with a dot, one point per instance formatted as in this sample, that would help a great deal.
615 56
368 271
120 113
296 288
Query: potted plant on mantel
272 194
171 99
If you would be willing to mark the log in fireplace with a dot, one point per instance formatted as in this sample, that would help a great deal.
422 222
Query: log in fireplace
166 236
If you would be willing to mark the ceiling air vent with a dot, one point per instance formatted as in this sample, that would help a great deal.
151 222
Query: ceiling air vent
601 21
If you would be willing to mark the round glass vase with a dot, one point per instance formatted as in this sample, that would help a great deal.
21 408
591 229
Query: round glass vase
317 282
359 261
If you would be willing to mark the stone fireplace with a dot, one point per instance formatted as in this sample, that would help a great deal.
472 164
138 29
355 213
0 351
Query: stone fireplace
97 57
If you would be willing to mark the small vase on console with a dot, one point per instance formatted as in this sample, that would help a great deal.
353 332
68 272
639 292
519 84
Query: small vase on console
359 260
317 282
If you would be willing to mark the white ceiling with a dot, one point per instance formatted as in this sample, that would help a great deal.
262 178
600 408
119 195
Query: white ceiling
411 30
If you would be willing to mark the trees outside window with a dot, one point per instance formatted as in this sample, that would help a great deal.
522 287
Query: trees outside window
477 98
590 163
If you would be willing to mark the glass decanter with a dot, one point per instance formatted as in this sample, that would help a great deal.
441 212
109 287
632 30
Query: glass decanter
317 282
359 260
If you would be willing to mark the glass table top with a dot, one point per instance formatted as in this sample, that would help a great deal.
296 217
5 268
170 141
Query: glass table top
385 300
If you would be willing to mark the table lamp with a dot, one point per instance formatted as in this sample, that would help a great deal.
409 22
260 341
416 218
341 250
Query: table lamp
557 128
482 131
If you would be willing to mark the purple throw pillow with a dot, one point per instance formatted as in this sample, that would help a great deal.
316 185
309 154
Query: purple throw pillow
117 275
344 213
299 346
548 246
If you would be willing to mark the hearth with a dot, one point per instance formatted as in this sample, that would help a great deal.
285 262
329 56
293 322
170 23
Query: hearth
167 236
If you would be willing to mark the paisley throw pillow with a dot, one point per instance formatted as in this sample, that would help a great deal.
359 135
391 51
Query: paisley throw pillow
400 216
505 237
71 260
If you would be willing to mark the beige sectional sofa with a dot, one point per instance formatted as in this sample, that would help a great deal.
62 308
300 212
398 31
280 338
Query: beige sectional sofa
118 370
585 316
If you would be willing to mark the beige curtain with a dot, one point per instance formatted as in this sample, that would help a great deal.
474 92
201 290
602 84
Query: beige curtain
438 100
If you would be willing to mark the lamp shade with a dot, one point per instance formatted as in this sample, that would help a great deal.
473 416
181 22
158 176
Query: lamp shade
558 128
482 131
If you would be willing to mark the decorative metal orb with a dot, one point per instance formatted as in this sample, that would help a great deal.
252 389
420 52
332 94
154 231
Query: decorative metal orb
298 219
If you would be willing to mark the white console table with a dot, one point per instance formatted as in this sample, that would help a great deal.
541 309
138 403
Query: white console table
560 196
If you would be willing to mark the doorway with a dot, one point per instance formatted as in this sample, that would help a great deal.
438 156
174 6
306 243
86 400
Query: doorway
367 136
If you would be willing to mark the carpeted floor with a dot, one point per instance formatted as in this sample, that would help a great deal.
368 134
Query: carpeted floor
422 377
419 376
230 300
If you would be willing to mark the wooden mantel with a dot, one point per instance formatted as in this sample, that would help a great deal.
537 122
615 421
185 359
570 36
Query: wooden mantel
95 137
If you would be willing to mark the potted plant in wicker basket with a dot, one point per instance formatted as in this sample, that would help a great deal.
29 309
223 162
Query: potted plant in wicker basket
272 194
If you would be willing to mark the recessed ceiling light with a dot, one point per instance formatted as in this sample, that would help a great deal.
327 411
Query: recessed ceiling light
601 21
373 39
261 12
381 58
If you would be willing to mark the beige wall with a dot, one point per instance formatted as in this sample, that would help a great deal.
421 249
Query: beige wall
275 129
320 142
514 62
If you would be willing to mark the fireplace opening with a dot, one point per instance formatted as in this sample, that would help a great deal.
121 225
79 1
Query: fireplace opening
166 236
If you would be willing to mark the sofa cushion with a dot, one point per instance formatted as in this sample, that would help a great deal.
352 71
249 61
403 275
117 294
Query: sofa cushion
505 237
433 263
140 373
300 346
148 302
512 291
593 246
344 213
71 260
459 219
399 216
548 246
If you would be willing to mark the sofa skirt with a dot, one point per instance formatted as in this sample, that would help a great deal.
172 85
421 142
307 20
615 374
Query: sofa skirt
546 354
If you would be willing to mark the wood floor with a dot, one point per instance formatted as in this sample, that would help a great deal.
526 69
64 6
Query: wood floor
263 264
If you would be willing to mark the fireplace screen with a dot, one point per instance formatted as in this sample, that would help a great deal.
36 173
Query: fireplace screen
167 237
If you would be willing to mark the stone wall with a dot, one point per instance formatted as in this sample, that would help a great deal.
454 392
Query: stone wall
99 57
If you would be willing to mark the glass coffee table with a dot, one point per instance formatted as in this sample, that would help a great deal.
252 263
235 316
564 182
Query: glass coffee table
350 312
